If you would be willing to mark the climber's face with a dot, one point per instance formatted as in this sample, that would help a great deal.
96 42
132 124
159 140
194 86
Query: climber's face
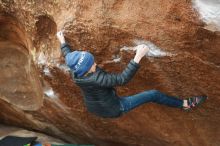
93 68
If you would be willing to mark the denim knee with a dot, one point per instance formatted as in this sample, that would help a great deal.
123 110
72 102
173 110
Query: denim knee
153 94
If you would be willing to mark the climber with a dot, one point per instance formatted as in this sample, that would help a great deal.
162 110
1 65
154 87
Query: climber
98 90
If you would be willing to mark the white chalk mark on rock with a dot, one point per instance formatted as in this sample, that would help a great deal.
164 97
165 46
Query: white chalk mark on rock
116 60
42 59
50 93
209 11
154 51
46 71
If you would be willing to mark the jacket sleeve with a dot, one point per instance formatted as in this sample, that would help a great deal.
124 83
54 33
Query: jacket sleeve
65 49
105 79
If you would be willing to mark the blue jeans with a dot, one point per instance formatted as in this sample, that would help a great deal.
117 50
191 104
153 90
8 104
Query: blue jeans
130 102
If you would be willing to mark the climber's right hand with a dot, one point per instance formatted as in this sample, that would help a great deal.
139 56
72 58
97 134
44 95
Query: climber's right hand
141 51
60 37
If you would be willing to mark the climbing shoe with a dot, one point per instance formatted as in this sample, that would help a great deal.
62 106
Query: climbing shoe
194 101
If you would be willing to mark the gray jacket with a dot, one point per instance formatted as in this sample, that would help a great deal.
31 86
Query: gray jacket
98 88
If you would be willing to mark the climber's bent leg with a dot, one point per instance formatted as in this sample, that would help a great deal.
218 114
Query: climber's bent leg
130 102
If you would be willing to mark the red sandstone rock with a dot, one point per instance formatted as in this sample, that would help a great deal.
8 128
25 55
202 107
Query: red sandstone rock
103 27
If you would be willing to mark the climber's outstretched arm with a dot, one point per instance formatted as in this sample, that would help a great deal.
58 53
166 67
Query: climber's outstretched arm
105 79
65 48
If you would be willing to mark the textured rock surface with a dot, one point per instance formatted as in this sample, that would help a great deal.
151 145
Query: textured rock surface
103 27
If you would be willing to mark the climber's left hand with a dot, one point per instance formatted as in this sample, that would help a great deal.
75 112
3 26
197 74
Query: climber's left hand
60 37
